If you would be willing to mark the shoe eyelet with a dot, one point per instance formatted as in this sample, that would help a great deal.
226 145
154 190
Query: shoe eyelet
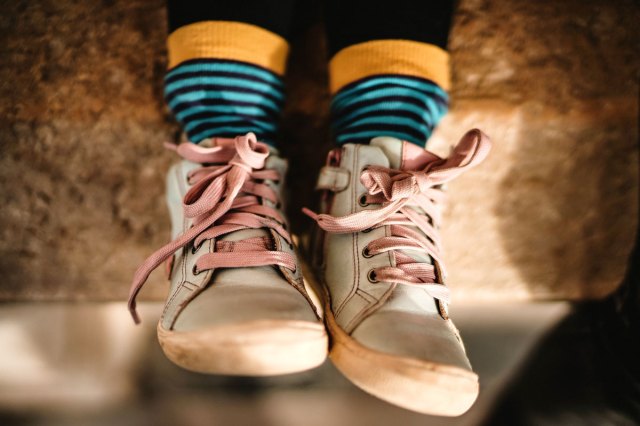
366 254
372 276
194 270
194 248
363 200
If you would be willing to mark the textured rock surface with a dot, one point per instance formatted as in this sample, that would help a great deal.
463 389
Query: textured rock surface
551 215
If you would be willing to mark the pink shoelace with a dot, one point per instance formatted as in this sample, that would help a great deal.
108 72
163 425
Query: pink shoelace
225 197
399 193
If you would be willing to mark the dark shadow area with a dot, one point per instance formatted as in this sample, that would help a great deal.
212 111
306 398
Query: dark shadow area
586 371
305 124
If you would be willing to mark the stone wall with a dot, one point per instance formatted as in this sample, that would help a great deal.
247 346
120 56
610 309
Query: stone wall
552 213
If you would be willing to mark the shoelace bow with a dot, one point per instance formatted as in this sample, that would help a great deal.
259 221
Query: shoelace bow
225 197
400 192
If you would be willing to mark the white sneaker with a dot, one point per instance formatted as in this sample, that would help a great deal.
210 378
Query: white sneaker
378 255
237 303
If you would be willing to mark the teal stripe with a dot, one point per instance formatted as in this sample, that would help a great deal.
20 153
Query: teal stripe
431 113
190 125
352 108
198 95
435 111
235 112
226 67
224 81
220 131
426 87
379 93
403 81
384 106
370 134
222 109
403 121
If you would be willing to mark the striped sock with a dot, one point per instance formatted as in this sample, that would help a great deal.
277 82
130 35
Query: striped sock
388 88
404 107
225 80
214 97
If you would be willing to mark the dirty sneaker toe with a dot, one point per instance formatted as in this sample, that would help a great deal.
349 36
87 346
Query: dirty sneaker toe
377 254
237 302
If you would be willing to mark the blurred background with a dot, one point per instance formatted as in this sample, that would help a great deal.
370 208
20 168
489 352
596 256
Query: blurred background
538 240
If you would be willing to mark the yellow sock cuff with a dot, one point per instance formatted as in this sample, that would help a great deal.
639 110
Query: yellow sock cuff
377 57
228 40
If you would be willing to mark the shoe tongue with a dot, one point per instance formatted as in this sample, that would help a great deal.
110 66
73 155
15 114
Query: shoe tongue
273 158
391 147
229 142
244 234
402 154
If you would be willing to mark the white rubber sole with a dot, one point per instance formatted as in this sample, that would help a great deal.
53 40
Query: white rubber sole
255 348
415 384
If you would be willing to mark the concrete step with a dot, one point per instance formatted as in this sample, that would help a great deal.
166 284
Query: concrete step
551 215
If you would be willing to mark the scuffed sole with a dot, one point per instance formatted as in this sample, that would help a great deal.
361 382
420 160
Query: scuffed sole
414 384
256 348
417 385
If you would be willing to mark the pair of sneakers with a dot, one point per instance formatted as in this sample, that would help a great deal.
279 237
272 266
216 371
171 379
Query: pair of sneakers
238 303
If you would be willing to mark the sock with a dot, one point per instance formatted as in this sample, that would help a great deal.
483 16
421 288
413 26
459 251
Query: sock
388 88
225 79
389 68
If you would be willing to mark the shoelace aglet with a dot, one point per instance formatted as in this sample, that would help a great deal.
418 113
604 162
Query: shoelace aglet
134 314
170 146
313 215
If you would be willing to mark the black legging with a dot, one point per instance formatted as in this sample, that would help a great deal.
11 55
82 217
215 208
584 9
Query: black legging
348 22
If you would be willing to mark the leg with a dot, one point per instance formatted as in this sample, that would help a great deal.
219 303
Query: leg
226 65
378 245
389 68
237 302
